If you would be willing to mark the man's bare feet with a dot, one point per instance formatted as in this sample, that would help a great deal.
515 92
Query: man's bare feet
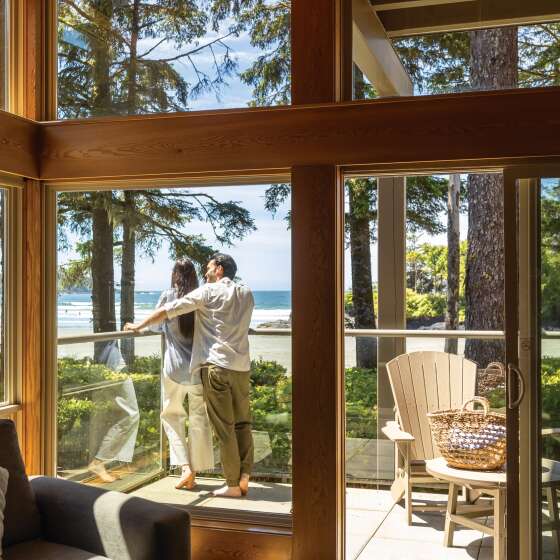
98 468
227 492
187 480
244 484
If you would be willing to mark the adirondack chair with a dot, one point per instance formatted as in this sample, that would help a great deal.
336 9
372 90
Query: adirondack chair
422 382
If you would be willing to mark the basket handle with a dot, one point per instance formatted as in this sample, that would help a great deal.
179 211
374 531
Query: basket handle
480 400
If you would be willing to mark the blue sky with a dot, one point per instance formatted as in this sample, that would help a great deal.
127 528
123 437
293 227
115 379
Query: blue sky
264 257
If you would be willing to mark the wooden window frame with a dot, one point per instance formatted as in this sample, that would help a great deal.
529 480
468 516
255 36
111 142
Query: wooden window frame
317 144
12 296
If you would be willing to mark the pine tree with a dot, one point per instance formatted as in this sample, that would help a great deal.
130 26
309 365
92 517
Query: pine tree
105 68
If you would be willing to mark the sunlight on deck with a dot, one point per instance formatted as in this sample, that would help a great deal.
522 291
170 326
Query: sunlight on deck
376 528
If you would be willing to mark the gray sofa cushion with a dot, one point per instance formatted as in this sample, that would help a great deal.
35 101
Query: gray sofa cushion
111 524
44 550
21 516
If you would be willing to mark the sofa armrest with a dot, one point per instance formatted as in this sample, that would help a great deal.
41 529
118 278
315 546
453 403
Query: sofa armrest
111 524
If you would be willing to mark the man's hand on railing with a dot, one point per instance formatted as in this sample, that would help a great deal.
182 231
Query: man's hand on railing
134 327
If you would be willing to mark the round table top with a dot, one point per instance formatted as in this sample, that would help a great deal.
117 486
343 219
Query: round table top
485 479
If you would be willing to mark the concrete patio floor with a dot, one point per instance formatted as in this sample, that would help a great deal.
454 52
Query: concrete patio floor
375 527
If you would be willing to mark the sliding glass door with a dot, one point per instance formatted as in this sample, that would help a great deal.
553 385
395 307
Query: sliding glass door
532 290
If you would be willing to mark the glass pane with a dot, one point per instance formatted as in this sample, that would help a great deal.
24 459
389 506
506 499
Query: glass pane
436 267
366 462
454 256
454 48
550 360
116 257
131 57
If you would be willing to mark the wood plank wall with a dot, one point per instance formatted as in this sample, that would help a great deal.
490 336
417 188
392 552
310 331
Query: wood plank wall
321 74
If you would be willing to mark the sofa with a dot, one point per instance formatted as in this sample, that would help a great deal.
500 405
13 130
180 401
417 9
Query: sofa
53 519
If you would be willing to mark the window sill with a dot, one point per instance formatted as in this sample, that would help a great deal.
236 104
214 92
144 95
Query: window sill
9 409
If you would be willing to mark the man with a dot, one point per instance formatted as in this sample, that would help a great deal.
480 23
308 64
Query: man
221 351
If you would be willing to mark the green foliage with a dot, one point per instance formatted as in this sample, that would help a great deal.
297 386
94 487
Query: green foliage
550 399
421 306
271 402
108 64
550 252
266 372
440 63
361 403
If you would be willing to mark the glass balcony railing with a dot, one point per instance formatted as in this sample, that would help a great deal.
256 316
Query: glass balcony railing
110 411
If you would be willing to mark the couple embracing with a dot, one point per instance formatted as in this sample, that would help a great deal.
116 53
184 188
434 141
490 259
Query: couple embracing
207 357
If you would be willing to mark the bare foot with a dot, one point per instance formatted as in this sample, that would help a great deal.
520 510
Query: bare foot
187 480
244 484
227 492
98 468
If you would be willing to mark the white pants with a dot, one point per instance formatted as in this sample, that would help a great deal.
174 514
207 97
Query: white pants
119 441
198 452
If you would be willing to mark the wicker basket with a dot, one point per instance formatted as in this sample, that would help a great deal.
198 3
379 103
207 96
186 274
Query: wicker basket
470 439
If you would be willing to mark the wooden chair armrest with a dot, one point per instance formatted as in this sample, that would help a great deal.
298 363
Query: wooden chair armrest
393 431
550 432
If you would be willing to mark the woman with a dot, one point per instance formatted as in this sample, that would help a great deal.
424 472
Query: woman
197 453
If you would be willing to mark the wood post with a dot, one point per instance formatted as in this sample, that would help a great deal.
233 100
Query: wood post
321 74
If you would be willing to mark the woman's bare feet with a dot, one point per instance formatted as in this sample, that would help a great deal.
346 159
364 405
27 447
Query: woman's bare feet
244 484
98 468
187 480
227 492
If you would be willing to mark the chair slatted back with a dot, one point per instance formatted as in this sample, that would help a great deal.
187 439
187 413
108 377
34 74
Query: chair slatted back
426 381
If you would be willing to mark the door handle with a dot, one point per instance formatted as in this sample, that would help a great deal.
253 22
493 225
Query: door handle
513 369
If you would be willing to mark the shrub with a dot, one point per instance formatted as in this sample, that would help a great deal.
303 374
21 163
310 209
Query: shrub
361 402
271 400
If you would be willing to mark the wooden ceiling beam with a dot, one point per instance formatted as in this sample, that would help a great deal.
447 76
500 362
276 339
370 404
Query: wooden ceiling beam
373 53
467 15
18 143
384 5
483 127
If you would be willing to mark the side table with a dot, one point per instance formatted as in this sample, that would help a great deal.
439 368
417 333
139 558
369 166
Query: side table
492 483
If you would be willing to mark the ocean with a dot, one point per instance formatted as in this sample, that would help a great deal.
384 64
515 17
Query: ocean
75 309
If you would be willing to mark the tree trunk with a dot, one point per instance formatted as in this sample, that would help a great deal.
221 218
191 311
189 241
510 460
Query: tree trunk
128 274
453 261
102 272
101 65
128 271
360 256
493 66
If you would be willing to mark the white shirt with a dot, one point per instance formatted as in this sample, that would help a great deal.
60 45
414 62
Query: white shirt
178 349
221 327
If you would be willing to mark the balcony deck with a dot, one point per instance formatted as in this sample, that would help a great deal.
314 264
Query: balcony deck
376 528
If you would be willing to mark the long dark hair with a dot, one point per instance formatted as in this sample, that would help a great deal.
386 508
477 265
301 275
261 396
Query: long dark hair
185 280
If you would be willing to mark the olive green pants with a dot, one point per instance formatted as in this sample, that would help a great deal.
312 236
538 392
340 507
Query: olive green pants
227 397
